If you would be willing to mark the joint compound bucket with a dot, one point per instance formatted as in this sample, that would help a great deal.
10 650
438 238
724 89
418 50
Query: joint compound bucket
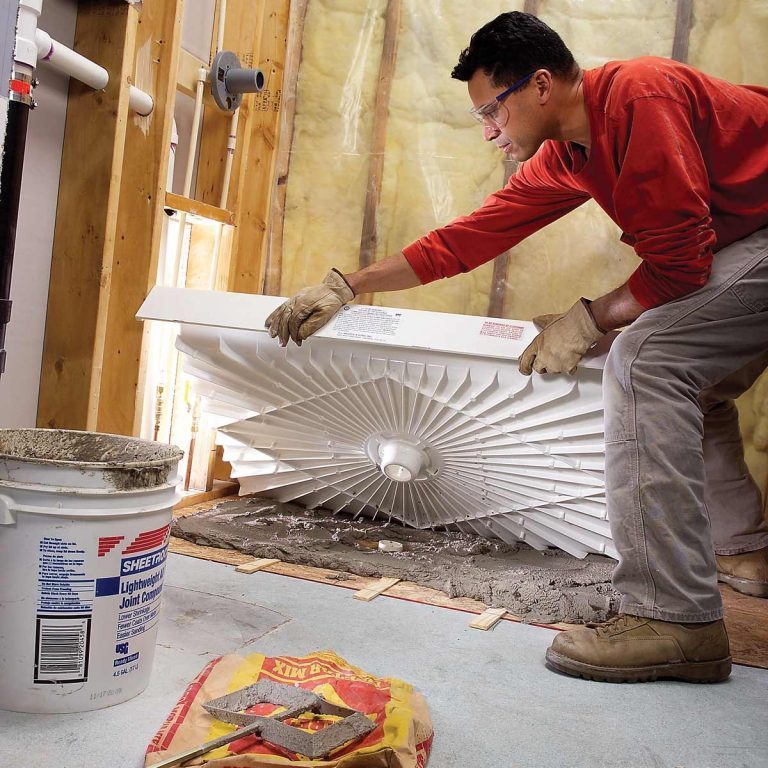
84 527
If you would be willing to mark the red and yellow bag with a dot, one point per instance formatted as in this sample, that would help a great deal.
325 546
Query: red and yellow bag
402 737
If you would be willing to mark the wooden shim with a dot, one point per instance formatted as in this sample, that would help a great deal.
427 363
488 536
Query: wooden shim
368 238
683 22
377 588
256 565
273 258
489 618
86 218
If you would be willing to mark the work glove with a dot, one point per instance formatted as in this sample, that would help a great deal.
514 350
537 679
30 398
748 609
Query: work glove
562 342
310 309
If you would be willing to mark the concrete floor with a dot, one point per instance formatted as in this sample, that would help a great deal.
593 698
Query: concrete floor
493 703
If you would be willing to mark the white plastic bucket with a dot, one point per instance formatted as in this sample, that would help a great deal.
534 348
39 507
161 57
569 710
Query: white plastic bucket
84 527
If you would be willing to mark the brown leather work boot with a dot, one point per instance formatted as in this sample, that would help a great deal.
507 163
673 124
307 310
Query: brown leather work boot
628 649
747 572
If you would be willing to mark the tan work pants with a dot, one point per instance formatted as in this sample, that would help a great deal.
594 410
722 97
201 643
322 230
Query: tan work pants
677 486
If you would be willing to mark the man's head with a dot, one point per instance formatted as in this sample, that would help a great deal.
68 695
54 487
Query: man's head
517 70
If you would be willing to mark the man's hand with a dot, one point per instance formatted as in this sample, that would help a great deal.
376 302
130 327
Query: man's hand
562 342
310 309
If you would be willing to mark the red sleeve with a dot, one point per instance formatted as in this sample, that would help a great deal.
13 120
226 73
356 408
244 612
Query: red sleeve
540 192
662 199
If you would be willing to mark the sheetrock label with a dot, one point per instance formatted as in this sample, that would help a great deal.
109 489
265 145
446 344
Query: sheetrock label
98 597
64 611
369 323
501 330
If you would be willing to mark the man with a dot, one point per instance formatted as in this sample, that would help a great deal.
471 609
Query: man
679 161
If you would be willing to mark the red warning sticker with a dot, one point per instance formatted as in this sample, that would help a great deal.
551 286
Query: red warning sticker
501 330
20 86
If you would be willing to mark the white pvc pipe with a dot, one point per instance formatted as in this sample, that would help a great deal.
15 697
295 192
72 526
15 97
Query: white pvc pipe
140 102
172 157
86 71
25 53
231 146
220 32
73 64
202 78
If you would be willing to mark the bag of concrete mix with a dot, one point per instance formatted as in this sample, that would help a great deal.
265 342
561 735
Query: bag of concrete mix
399 734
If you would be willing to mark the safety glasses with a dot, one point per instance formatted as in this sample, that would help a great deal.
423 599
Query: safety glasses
490 111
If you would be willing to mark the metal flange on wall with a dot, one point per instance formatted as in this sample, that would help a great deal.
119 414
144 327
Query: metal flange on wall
229 81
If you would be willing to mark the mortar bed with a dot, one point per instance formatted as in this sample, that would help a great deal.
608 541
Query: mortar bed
548 587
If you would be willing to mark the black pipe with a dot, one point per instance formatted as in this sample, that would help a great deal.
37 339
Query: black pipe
10 190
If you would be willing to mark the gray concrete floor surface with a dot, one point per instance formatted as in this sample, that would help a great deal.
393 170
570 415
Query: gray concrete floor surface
493 702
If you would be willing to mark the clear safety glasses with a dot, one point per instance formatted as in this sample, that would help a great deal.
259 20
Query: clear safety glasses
492 110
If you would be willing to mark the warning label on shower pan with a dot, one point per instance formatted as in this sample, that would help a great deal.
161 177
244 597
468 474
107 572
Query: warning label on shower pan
368 323
501 330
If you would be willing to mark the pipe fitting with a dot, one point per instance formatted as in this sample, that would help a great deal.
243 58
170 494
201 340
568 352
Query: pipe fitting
401 461
229 81
25 52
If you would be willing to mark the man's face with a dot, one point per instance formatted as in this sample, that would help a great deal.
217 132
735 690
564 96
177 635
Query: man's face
517 125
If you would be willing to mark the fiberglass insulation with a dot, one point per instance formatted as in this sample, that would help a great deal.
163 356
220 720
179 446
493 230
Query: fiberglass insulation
436 165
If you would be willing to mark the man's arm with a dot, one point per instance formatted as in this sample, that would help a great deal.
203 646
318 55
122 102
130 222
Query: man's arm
616 309
565 338
392 274
535 196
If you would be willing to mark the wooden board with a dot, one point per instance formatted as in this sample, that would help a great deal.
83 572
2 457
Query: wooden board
242 19
488 618
259 152
117 381
272 261
683 23
369 235
374 590
746 619
198 208
256 565
86 217
197 502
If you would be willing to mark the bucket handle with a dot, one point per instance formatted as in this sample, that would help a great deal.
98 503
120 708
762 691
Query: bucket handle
6 512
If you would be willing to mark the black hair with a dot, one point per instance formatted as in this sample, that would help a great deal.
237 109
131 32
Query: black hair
510 47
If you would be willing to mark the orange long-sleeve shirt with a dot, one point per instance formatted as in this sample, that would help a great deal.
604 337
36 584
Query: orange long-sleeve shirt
678 159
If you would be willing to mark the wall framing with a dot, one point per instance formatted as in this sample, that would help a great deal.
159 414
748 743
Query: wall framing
112 196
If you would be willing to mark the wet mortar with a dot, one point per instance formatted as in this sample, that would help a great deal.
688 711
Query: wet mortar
549 586
126 463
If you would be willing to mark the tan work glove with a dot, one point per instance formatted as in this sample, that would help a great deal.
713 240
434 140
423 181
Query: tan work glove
310 309
562 342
